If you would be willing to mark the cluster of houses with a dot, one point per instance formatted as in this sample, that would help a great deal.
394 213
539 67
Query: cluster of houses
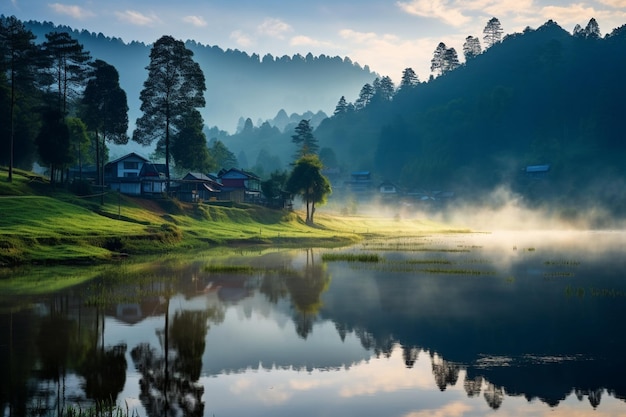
133 174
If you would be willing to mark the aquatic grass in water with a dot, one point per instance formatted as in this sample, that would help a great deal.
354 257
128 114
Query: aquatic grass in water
351 257
230 268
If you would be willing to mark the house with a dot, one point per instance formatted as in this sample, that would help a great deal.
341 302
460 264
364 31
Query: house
133 174
240 186
196 187
360 182
387 188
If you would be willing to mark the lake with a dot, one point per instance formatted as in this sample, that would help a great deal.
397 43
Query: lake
503 323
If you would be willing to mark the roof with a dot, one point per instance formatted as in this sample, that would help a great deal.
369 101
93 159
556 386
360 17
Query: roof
153 170
538 168
132 154
238 173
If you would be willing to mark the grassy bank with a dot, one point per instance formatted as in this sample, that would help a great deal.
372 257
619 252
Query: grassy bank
40 224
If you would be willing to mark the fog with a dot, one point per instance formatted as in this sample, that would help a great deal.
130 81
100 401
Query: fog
500 210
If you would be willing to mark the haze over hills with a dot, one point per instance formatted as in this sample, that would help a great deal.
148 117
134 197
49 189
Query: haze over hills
238 84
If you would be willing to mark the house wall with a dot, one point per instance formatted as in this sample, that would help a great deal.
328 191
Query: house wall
129 167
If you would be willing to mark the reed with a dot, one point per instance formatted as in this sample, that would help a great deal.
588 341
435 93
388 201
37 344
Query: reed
351 257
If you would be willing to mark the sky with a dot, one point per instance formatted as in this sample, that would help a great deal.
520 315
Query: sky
386 35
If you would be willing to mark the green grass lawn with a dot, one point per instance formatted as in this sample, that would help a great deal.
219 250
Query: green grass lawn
42 224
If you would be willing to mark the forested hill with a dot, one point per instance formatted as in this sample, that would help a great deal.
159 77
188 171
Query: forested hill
238 84
544 96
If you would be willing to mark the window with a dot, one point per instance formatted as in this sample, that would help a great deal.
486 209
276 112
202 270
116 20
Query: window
131 165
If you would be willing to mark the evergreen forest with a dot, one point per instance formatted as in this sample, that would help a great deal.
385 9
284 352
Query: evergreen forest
544 97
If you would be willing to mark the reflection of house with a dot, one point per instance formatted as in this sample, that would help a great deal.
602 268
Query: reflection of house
360 181
135 175
196 187
240 186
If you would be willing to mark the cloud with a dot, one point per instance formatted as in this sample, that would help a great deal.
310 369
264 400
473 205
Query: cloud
195 21
618 4
388 54
241 38
308 41
136 18
437 9
274 28
76 12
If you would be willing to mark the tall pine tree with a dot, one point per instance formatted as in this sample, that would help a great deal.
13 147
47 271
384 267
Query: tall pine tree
174 87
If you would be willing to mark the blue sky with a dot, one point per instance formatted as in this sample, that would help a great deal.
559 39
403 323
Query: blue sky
387 35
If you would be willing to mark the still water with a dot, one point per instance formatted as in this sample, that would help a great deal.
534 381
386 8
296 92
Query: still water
505 324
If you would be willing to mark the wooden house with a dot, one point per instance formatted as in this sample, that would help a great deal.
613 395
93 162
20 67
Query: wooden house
197 187
240 186
133 174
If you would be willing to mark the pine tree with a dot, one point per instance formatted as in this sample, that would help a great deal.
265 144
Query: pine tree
304 139
409 79
341 108
175 85
105 110
365 97
17 60
471 48
437 63
68 66
492 32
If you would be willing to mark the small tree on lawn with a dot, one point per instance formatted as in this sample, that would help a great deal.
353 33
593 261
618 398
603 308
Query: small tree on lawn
306 180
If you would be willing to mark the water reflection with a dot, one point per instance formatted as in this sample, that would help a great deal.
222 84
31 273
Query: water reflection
450 325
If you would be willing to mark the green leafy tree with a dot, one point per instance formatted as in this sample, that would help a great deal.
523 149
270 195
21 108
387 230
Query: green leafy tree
79 143
492 32
471 48
273 187
175 85
222 156
306 180
53 141
18 60
105 110
189 145
304 139
67 66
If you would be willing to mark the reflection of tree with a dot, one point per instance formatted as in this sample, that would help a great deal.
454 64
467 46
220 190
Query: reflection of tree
169 377
494 395
305 290
55 349
472 385
104 371
409 354
594 396
445 373
273 286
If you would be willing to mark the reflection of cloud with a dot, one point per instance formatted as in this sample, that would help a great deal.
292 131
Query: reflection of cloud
454 409
274 28
76 12
272 395
195 20
438 9
136 18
